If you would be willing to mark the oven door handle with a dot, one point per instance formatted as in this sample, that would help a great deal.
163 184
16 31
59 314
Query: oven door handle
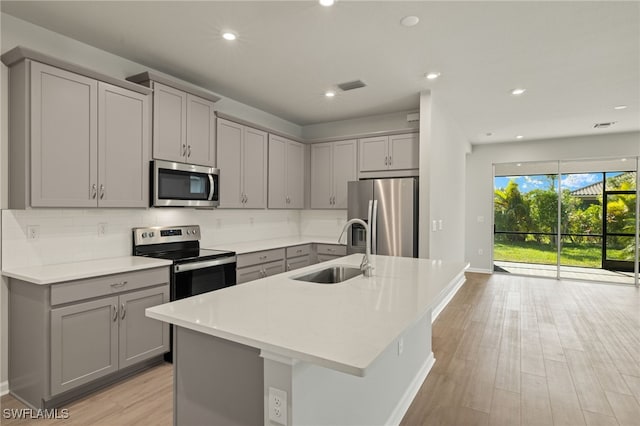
204 264
211 187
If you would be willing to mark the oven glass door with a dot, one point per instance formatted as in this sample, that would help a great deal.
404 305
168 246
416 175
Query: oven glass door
183 185
197 281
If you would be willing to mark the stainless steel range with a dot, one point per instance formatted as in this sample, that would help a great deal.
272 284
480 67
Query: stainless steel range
194 270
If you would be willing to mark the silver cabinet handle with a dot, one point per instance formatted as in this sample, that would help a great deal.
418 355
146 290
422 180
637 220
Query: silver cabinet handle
101 192
288 266
385 161
389 160
184 149
115 313
299 251
330 250
263 257
246 199
118 285
189 151
124 311
94 191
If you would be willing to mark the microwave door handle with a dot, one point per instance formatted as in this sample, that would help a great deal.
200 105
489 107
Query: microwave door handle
211 187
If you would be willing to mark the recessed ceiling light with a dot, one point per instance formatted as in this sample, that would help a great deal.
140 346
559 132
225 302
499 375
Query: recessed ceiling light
329 93
620 107
228 35
624 159
432 75
519 137
409 21
326 3
519 164
518 91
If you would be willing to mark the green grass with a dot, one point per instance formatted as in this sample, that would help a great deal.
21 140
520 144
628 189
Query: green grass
586 255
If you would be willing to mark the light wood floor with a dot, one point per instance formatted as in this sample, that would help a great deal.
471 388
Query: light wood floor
509 351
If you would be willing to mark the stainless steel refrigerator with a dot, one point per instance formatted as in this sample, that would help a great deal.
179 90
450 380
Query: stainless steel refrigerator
390 207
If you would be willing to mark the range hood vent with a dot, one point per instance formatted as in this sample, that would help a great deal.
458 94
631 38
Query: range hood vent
350 85
604 125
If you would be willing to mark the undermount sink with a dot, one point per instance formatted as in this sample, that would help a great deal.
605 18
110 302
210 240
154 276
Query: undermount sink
332 275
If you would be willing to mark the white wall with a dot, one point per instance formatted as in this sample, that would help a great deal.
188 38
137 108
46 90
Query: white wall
443 150
359 126
479 181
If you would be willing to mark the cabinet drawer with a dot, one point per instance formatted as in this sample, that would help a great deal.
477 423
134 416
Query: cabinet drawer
298 250
260 257
332 249
326 257
109 284
298 262
250 273
273 268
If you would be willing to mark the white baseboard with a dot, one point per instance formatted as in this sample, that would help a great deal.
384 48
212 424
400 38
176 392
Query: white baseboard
480 270
4 387
411 392
448 294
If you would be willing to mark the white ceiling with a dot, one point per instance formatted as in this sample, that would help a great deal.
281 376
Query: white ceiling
577 60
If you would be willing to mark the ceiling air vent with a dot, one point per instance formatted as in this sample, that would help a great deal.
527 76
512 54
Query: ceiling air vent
350 85
604 125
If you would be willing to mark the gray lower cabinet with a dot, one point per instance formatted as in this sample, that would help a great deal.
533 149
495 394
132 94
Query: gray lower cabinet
259 264
327 252
298 262
83 334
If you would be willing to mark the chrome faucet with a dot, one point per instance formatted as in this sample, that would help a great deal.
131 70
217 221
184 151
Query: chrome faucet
365 265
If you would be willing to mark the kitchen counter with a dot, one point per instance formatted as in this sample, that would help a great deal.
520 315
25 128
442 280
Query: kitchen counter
363 342
52 274
252 246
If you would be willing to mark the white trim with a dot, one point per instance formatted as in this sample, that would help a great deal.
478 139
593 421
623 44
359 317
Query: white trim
277 358
449 292
480 270
412 390
4 387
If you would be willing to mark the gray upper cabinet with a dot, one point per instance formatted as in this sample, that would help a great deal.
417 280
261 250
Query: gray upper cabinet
333 164
183 120
75 141
286 173
64 138
242 156
397 152
123 136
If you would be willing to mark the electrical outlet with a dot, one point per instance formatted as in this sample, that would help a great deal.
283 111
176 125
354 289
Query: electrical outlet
480 252
434 226
480 219
400 346
102 229
277 406
33 232
251 221
440 224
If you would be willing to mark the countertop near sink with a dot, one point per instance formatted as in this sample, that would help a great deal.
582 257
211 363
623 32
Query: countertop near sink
52 274
343 326
252 246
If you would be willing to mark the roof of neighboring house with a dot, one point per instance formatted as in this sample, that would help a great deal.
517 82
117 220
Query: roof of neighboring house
592 190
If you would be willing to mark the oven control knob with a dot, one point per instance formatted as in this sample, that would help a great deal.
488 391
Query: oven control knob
150 234
144 235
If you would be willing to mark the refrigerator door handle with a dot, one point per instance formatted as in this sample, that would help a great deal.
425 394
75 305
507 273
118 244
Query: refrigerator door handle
373 226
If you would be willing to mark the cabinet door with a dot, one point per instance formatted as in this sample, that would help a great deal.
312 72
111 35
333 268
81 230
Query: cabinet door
326 257
298 262
201 146
84 343
169 123
142 337
404 151
229 147
123 141
254 172
273 268
64 138
344 170
295 175
322 175
374 153
277 173
249 273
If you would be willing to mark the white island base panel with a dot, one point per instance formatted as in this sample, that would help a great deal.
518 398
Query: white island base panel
228 383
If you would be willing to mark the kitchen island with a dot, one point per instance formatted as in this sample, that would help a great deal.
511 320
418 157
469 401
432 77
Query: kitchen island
354 352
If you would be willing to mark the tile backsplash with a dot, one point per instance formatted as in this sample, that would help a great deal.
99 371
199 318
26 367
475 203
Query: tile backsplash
68 235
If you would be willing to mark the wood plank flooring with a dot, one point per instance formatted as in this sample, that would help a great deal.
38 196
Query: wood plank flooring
509 351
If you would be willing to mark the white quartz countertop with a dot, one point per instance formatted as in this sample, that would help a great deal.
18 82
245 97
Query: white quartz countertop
51 274
343 326
252 246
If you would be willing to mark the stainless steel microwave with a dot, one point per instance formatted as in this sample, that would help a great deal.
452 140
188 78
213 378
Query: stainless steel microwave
184 185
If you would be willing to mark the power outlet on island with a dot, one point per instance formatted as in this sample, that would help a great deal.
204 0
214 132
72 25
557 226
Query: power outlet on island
277 406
